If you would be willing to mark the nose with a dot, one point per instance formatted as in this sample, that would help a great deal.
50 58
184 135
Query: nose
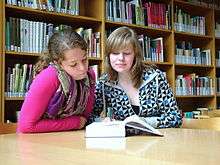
82 67
121 56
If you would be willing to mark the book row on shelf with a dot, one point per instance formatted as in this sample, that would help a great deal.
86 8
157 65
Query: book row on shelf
199 113
200 59
192 84
217 29
152 49
188 23
19 78
158 15
217 55
152 14
30 36
72 7
59 6
218 85
187 53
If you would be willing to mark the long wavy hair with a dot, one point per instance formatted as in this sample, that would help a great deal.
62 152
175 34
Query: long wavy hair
118 40
59 42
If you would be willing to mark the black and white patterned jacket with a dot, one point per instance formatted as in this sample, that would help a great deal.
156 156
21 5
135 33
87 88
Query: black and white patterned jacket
157 103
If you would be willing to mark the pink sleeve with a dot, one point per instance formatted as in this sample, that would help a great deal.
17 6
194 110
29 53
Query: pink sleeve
36 102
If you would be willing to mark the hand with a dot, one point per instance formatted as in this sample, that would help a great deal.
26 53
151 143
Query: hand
82 122
107 119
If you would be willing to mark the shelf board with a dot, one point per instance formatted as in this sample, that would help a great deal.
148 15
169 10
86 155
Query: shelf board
194 96
13 53
158 63
141 28
192 36
50 16
94 59
194 65
14 98
8 128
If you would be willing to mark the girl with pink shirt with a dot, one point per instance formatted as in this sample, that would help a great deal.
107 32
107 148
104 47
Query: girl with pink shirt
61 95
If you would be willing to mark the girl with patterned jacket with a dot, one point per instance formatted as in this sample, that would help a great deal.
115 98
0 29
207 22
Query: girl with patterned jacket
130 87
61 96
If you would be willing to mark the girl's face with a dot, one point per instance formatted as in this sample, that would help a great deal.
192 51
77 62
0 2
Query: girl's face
122 60
75 63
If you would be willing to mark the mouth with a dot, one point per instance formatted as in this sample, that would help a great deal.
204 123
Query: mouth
120 64
82 74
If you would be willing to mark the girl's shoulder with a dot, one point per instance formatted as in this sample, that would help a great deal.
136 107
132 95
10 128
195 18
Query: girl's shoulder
46 79
49 73
50 70
151 70
104 78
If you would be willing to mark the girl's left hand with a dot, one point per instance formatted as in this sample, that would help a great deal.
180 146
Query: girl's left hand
82 122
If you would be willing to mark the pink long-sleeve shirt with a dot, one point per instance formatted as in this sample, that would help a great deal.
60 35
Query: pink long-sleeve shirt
36 102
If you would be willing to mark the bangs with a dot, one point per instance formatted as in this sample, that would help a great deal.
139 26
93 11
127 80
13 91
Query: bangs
119 43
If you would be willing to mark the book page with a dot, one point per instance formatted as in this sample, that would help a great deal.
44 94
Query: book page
106 129
137 122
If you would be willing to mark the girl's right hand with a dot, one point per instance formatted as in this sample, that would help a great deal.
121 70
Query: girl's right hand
107 119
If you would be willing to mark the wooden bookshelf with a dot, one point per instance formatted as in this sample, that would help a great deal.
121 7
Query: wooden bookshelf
1 64
93 15
7 128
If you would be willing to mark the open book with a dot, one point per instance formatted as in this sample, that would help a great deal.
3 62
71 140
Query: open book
120 128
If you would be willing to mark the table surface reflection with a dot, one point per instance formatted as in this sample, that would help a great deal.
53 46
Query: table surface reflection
178 146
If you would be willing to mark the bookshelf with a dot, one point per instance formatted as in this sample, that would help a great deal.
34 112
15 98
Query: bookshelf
1 63
93 14
90 15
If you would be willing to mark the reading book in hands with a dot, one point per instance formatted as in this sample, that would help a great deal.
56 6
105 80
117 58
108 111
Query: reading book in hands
120 128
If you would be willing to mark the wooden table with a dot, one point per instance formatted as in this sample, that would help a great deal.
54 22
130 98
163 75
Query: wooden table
178 146
211 123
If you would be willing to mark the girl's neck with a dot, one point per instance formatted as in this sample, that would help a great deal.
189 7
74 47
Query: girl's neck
124 78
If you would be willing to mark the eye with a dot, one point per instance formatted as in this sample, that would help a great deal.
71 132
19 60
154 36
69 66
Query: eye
73 65
127 53
115 53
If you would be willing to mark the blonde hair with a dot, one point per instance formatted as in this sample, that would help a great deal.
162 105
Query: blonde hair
119 39
59 42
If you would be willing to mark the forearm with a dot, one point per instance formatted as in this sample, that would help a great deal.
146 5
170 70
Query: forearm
50 125
165 120
169 113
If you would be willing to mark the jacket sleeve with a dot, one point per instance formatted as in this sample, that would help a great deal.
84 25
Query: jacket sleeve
170 115
36 102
